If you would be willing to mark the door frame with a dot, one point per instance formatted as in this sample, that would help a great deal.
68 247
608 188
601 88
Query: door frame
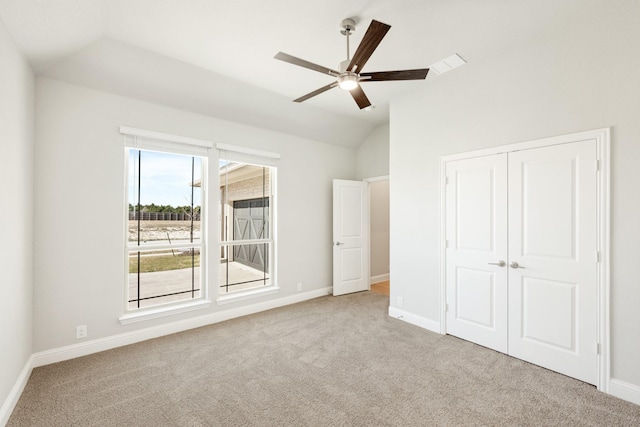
603 315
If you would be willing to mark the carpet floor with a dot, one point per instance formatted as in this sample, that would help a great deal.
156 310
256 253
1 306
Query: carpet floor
332 361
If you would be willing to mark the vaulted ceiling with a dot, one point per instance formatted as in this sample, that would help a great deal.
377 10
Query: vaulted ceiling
216 56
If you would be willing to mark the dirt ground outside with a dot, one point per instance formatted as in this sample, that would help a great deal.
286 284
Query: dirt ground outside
153 231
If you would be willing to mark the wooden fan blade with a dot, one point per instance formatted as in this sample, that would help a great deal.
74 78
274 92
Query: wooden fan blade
306 64
372 38
360 98
381 76
316 92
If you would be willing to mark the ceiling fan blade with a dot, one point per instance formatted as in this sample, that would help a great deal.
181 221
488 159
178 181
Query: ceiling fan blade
381 76
316 92
372 38
306 64
360 98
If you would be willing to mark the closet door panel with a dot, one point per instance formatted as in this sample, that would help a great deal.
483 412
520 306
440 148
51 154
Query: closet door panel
476 234
552 241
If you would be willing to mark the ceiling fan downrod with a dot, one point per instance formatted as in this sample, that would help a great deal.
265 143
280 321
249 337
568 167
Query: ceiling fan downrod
347 80
347 26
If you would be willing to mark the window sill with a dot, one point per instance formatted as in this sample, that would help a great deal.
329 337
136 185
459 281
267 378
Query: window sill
154 313
243 295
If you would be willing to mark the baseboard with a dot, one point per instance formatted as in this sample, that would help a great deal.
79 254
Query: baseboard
15 393
379 278
101 344
420 321
625 391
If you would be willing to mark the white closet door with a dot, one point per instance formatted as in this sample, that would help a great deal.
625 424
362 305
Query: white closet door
476 218
350 237
552 238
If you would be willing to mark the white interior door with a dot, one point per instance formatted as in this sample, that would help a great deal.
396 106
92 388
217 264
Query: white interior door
552 238
350 237
476 253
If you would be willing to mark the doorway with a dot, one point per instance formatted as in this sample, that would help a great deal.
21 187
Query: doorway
379 277
360 235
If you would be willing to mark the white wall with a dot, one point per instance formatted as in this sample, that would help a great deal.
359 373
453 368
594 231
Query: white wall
379 222
373 154
16 201
79 161
583 78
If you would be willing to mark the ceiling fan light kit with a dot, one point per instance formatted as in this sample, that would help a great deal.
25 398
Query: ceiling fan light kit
348 81
350 75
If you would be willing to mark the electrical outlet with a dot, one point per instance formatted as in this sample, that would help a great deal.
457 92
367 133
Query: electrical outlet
81 331
299 287
400 302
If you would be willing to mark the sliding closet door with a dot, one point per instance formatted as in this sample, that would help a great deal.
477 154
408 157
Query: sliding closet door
553 258
476 254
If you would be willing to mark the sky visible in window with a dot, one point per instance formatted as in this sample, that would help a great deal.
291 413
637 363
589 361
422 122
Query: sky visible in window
165 179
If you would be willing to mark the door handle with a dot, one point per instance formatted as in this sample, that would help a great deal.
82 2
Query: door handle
339 243
500 263
515 265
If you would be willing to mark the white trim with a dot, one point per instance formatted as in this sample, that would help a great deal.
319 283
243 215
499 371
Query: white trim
624 390
602 137
162 311
249 151
377 178
248 294
101 344
165 137
598 134
420 321
604 235
443 245
379 278
16 391
245 242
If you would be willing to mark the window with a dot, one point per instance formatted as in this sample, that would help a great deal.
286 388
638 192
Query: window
166 222
246 212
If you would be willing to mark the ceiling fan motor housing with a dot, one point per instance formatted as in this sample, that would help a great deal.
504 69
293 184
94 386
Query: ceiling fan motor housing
347 26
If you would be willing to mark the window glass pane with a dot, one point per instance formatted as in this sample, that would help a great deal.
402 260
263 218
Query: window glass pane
245 267
245 214
165 197
164 221
162 276
251 219
244 201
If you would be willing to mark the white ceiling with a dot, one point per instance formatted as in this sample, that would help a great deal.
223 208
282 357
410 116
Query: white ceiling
216 56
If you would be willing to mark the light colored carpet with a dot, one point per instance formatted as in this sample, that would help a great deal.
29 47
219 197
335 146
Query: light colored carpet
333 361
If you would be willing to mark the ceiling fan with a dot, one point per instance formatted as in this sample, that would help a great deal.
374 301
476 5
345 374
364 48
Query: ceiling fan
350 75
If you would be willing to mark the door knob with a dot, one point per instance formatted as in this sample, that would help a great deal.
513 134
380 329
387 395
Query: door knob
500 263
515 265
339 243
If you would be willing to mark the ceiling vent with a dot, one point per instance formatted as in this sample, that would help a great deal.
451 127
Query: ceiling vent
447 64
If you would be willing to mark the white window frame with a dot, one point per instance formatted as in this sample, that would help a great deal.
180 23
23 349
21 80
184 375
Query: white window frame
140 139
256 158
